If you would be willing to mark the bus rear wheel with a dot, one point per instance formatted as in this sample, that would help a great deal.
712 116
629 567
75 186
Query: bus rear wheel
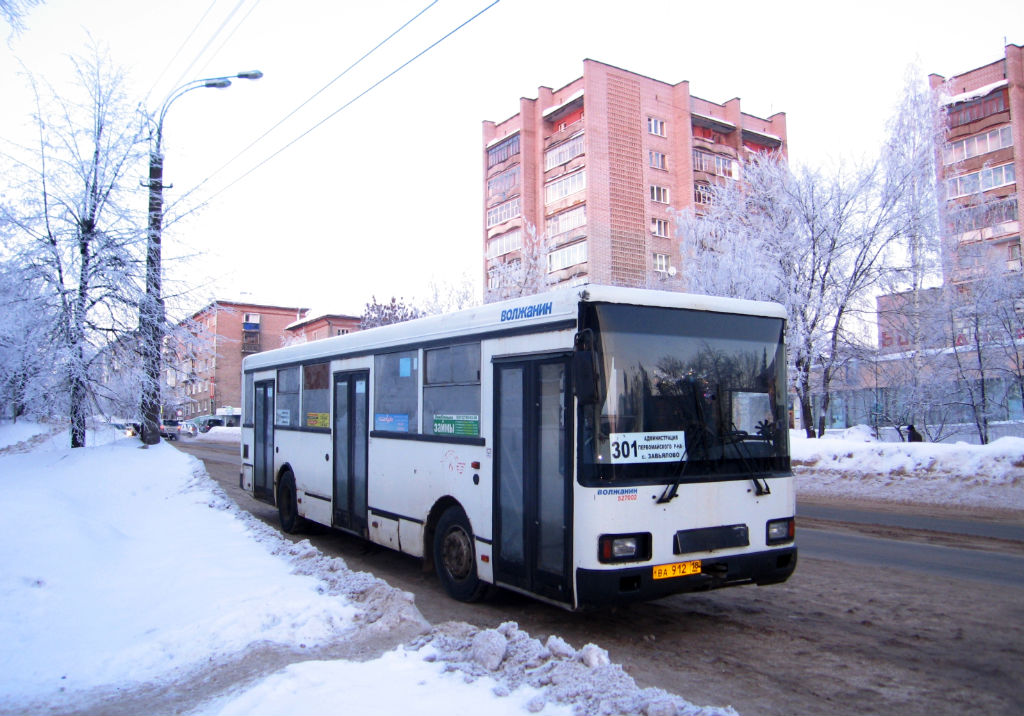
455 558
287 504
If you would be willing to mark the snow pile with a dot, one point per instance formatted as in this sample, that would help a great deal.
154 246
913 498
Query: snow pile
554 670
932 473
132 584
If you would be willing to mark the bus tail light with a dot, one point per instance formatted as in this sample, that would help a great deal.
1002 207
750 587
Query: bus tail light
779 531
624 548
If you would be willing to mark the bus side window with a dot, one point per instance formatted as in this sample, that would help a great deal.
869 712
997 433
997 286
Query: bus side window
395 390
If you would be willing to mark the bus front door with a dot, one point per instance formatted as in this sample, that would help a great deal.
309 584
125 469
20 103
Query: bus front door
532 467
351 408
263 442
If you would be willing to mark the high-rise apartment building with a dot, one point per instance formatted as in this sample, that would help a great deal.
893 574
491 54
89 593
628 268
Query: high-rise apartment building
980 163
597 167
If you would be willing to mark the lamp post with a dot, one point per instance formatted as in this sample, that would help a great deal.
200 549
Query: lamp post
151 309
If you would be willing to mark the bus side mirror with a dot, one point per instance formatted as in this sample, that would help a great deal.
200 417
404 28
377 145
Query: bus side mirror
585 376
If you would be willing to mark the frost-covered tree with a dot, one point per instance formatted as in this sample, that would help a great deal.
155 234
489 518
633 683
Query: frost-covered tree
817 243
522 273
451 295
14 12
383 314
74 233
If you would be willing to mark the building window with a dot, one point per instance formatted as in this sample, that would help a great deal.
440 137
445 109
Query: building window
983 180
1013 261
977 109
567 256
977 145
565 186
656 126
659 194
657 160
501 186
989 214
503 212
567 220
661 263
702 194
717 164
563 152
659 227
504 244
502 151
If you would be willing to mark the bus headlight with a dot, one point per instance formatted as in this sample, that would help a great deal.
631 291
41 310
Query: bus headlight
779 531
624 548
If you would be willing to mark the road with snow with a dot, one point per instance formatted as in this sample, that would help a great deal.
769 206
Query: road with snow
882 616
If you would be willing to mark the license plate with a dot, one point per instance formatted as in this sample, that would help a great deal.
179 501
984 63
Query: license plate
676 569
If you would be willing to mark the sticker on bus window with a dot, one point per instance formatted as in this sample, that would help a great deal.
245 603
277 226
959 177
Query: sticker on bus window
461 425
392 422
669 446
318 420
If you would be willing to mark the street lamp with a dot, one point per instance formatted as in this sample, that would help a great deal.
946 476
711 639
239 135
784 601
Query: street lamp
151 309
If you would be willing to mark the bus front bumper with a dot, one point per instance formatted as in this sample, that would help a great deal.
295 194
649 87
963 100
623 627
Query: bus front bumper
608 587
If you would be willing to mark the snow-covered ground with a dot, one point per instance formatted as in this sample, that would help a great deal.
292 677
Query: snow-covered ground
129 581
927 473
131 584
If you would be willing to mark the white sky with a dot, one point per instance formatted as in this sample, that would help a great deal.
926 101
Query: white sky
386 196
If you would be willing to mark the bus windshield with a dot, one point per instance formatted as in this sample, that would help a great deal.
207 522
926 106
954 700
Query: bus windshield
683 396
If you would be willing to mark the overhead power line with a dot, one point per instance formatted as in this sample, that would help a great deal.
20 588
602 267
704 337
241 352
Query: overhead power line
312 97
349 103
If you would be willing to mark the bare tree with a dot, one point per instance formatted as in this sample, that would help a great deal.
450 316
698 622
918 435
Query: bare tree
74 232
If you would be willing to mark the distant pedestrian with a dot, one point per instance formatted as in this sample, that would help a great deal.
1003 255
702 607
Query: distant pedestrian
913 436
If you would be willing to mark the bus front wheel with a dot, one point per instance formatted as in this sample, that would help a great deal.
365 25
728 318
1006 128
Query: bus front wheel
287 504
455 558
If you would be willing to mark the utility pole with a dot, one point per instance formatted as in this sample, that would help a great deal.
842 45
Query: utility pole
152 312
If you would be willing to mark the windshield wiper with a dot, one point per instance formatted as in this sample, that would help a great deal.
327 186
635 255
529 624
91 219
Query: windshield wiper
735 437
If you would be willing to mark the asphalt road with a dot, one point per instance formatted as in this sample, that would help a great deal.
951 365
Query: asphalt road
878 618
821 541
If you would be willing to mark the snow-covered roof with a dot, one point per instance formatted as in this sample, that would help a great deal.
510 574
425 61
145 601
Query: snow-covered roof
572 98
713 120
499 140
974 94
764 135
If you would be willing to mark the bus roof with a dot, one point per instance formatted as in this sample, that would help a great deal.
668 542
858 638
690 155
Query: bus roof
560 306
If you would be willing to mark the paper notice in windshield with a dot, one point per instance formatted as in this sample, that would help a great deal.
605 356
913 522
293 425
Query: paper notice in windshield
648 447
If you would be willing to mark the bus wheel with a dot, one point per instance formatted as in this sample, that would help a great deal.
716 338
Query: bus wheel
287 506
455 558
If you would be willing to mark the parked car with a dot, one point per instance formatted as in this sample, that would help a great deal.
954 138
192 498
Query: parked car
169 429
208 421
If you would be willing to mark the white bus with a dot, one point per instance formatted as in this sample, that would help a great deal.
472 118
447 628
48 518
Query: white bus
589 446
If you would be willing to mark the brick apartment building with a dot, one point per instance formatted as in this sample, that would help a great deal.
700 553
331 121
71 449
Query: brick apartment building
324 325
596 166
980 162
977 169
206 378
